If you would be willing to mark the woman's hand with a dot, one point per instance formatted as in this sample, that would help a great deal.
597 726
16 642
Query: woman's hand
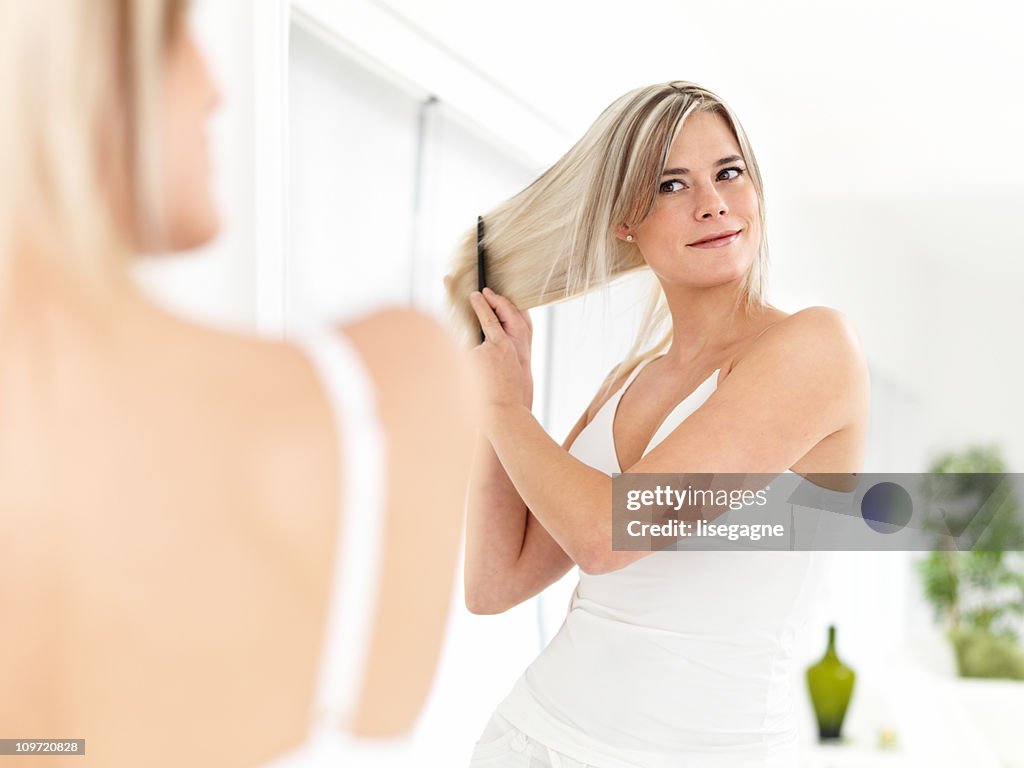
517 326
503 359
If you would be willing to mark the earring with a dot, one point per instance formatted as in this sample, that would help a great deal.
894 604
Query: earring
629 238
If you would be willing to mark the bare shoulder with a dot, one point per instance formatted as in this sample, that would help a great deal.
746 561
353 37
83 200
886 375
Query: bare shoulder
813 323
403 337
270 392
819 336
413 359
274 388
823 322
815 351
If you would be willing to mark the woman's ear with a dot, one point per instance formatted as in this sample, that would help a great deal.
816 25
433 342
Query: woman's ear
622 231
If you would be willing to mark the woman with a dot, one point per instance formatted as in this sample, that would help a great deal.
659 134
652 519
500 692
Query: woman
183 568
665 658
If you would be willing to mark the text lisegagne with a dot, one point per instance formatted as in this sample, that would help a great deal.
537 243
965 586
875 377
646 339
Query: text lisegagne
683 528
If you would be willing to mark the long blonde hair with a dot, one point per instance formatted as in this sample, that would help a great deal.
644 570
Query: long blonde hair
80 140
556 239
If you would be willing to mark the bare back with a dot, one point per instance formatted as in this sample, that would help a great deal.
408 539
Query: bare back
168 504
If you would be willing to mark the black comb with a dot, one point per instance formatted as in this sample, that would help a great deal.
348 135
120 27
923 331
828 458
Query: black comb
481 276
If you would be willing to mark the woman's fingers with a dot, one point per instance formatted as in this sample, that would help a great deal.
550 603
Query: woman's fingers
505 309
488 320
494 310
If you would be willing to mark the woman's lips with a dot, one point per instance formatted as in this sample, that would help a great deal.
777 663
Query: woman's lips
718 242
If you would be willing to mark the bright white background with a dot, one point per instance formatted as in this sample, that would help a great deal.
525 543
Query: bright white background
358 139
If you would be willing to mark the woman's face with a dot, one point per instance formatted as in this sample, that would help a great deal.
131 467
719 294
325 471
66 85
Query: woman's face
190 214
704 228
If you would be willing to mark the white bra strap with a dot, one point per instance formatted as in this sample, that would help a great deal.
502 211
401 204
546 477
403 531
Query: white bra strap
352 604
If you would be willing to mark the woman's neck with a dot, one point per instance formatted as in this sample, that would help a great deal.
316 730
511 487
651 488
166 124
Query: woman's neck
43 297
707 321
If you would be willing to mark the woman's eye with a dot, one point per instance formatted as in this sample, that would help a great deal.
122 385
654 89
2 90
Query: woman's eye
734 173
665 185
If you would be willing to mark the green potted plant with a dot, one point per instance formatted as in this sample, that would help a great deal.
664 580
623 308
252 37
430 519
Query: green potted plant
977 594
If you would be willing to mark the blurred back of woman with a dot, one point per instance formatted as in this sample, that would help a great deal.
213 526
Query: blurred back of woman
171 496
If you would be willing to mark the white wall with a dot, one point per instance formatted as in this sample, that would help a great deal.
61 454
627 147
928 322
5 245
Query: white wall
352 180
218 283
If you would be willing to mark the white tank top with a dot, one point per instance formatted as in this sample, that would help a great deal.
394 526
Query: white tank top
682 658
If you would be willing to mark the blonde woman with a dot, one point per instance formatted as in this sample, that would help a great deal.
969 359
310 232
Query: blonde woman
665 658
190 519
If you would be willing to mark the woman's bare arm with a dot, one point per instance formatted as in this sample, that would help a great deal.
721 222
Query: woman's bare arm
510 556
429 411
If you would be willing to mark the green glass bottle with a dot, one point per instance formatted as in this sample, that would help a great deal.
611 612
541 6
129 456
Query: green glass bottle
831 685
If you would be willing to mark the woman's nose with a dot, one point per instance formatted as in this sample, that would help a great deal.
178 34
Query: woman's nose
710 205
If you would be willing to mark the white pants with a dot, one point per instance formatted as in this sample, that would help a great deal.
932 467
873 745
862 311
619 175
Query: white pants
502 745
